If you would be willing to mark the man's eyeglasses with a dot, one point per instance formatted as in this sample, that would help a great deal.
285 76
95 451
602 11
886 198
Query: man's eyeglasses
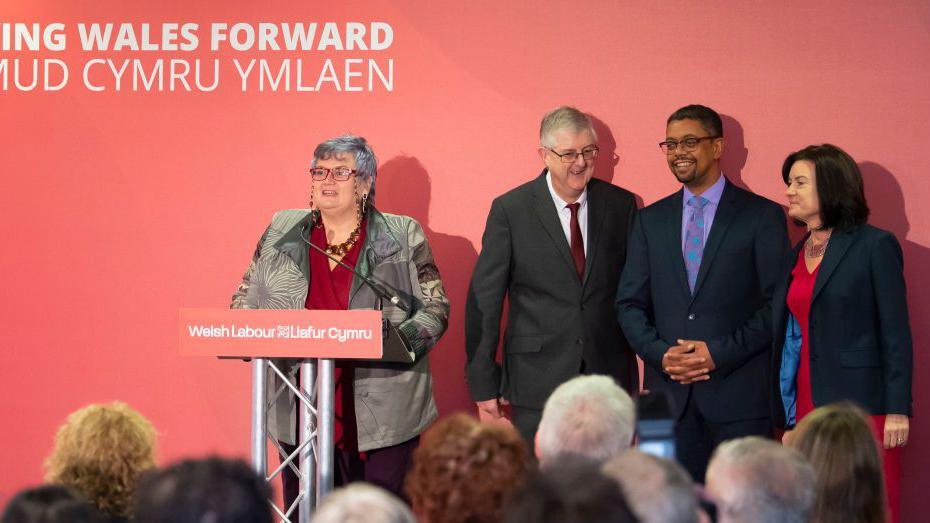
340 174
588 154
687 145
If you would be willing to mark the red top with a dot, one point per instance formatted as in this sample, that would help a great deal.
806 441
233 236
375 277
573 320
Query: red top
800 295
329 290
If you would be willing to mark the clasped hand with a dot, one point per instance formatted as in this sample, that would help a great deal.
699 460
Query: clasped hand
688 362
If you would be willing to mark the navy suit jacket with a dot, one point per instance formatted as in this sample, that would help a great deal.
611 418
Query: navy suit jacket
860 337
730 308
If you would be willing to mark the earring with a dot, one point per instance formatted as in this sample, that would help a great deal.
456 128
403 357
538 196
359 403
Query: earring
311 199
364 202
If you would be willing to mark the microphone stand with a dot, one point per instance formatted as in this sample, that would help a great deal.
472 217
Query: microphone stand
396 346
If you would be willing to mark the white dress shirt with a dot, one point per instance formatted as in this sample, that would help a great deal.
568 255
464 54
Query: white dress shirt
565 214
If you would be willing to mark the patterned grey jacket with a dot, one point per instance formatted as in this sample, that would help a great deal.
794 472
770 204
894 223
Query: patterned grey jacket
393 402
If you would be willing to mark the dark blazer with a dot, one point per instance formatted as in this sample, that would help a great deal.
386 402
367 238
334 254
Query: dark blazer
554 320
860 337
730 308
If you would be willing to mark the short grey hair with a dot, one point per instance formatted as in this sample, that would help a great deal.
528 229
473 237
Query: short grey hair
776 483
366 164
658 489
589 416
362 503
564 117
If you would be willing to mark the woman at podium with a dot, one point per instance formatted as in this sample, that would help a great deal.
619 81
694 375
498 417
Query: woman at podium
381 408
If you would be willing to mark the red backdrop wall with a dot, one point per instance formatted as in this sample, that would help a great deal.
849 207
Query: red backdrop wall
118 208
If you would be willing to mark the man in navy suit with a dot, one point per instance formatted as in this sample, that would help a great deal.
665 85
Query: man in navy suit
694 299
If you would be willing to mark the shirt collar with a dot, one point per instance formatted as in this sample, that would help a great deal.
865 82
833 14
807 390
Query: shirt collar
559 202
712 194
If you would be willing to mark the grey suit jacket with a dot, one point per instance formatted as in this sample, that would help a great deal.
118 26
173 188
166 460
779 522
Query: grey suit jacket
393 402
556 323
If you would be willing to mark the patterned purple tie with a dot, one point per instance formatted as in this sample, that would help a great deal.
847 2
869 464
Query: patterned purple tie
694 239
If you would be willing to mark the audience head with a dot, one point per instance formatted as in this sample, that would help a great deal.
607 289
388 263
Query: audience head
658 490
194 491
362 503
50 504
100 451
837 440
572 490
590 416
755 480
465 471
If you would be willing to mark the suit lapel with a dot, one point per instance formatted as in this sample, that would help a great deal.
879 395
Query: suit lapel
673 231
839 244
597 214
726 212
545 211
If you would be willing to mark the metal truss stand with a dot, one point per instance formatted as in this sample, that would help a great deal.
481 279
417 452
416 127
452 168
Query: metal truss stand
314 452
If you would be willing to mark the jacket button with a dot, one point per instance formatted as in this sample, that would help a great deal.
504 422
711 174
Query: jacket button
691 316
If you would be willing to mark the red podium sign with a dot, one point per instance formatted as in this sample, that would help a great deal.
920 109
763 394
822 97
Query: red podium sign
352 334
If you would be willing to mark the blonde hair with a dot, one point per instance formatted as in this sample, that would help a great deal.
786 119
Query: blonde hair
837 440
100 451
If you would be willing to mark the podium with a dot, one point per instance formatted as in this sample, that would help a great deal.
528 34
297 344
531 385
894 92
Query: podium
314 340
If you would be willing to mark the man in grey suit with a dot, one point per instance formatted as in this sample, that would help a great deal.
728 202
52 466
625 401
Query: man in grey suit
555 247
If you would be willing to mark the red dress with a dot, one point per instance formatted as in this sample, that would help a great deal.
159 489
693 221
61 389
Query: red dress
799 303
329 290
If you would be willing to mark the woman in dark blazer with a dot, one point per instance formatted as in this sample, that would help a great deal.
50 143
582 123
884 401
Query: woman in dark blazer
840 317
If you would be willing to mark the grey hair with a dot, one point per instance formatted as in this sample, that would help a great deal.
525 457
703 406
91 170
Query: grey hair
589 416
658 490
776 483
362 503
366 164
563 117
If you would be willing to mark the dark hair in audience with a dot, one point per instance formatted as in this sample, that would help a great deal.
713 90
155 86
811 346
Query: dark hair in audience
570 490
465 471
212 489
50 504
839 185
837 440
708 118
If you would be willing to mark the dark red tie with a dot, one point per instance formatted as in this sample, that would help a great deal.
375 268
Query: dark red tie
577 240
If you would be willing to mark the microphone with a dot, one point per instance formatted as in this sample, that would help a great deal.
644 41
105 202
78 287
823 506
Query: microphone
395 346
381 289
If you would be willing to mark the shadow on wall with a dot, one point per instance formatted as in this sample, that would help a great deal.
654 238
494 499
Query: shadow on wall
404 187
605 165
735 152
886 201
735 155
